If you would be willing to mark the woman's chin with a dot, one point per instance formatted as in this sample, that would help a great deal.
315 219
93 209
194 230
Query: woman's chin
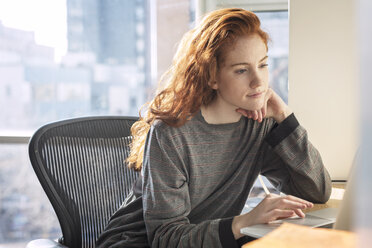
252 107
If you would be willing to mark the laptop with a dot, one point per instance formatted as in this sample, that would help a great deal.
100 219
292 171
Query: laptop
337 218
320 218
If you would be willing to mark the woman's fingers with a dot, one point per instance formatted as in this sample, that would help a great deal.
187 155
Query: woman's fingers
252 114
242 111
275 207
289 202
257 115
263 110
276 214
247 113
285 203
294 198
299 213
259 119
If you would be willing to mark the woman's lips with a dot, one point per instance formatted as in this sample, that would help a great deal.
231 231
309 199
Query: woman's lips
255 95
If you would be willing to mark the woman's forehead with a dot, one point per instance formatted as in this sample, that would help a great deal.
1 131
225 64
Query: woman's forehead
248 49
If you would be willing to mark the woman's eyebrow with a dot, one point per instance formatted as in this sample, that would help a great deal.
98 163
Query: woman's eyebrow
246 63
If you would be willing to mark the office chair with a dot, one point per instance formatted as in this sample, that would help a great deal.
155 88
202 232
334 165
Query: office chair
80 164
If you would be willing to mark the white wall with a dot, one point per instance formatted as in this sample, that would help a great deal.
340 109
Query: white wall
323 83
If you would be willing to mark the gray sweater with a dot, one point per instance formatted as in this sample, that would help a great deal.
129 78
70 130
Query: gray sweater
197 177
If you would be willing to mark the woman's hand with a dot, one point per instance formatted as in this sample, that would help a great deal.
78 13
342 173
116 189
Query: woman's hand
273 207
274 107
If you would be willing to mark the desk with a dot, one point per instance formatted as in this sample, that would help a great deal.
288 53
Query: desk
293 236
333 202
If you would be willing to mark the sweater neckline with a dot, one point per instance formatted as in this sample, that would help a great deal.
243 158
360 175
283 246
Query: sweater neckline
200 117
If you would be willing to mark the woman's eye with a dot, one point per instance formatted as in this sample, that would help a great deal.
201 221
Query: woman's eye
241 71
264 65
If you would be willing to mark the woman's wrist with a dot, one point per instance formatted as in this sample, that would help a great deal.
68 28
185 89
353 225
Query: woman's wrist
281 116
239 222
236 226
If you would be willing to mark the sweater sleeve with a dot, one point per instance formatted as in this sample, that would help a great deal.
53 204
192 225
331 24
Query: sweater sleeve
166 200
293 164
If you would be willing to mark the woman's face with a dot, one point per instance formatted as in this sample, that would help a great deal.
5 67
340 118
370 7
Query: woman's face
242 77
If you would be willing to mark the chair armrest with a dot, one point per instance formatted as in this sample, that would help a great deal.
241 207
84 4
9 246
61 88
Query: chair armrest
44 243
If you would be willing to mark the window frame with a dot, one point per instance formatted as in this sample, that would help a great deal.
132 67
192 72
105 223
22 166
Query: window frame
14 139
205 6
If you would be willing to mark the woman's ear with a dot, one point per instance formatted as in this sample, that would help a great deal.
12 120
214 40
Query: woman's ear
213 85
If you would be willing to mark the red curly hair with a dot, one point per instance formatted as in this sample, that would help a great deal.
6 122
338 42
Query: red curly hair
194 65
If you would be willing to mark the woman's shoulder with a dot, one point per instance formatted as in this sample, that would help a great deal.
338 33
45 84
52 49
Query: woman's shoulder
165 130
158 125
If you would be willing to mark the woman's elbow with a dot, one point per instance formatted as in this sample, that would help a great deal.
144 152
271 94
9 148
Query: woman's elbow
324 194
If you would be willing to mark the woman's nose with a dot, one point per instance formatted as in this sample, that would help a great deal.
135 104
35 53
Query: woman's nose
256 80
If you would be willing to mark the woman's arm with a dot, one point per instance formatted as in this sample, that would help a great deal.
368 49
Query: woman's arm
288 159
293 164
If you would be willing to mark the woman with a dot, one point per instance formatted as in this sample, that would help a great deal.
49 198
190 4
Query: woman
207 135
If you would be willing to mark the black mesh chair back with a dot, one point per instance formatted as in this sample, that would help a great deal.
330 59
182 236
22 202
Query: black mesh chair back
80 164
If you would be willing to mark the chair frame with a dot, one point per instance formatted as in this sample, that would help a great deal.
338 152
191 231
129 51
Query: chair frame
71 228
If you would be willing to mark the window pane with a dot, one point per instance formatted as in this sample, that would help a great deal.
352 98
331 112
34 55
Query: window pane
99 65
276 24
181 17
90 57
25 211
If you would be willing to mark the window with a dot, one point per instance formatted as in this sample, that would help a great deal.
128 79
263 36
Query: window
67 58
276 24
